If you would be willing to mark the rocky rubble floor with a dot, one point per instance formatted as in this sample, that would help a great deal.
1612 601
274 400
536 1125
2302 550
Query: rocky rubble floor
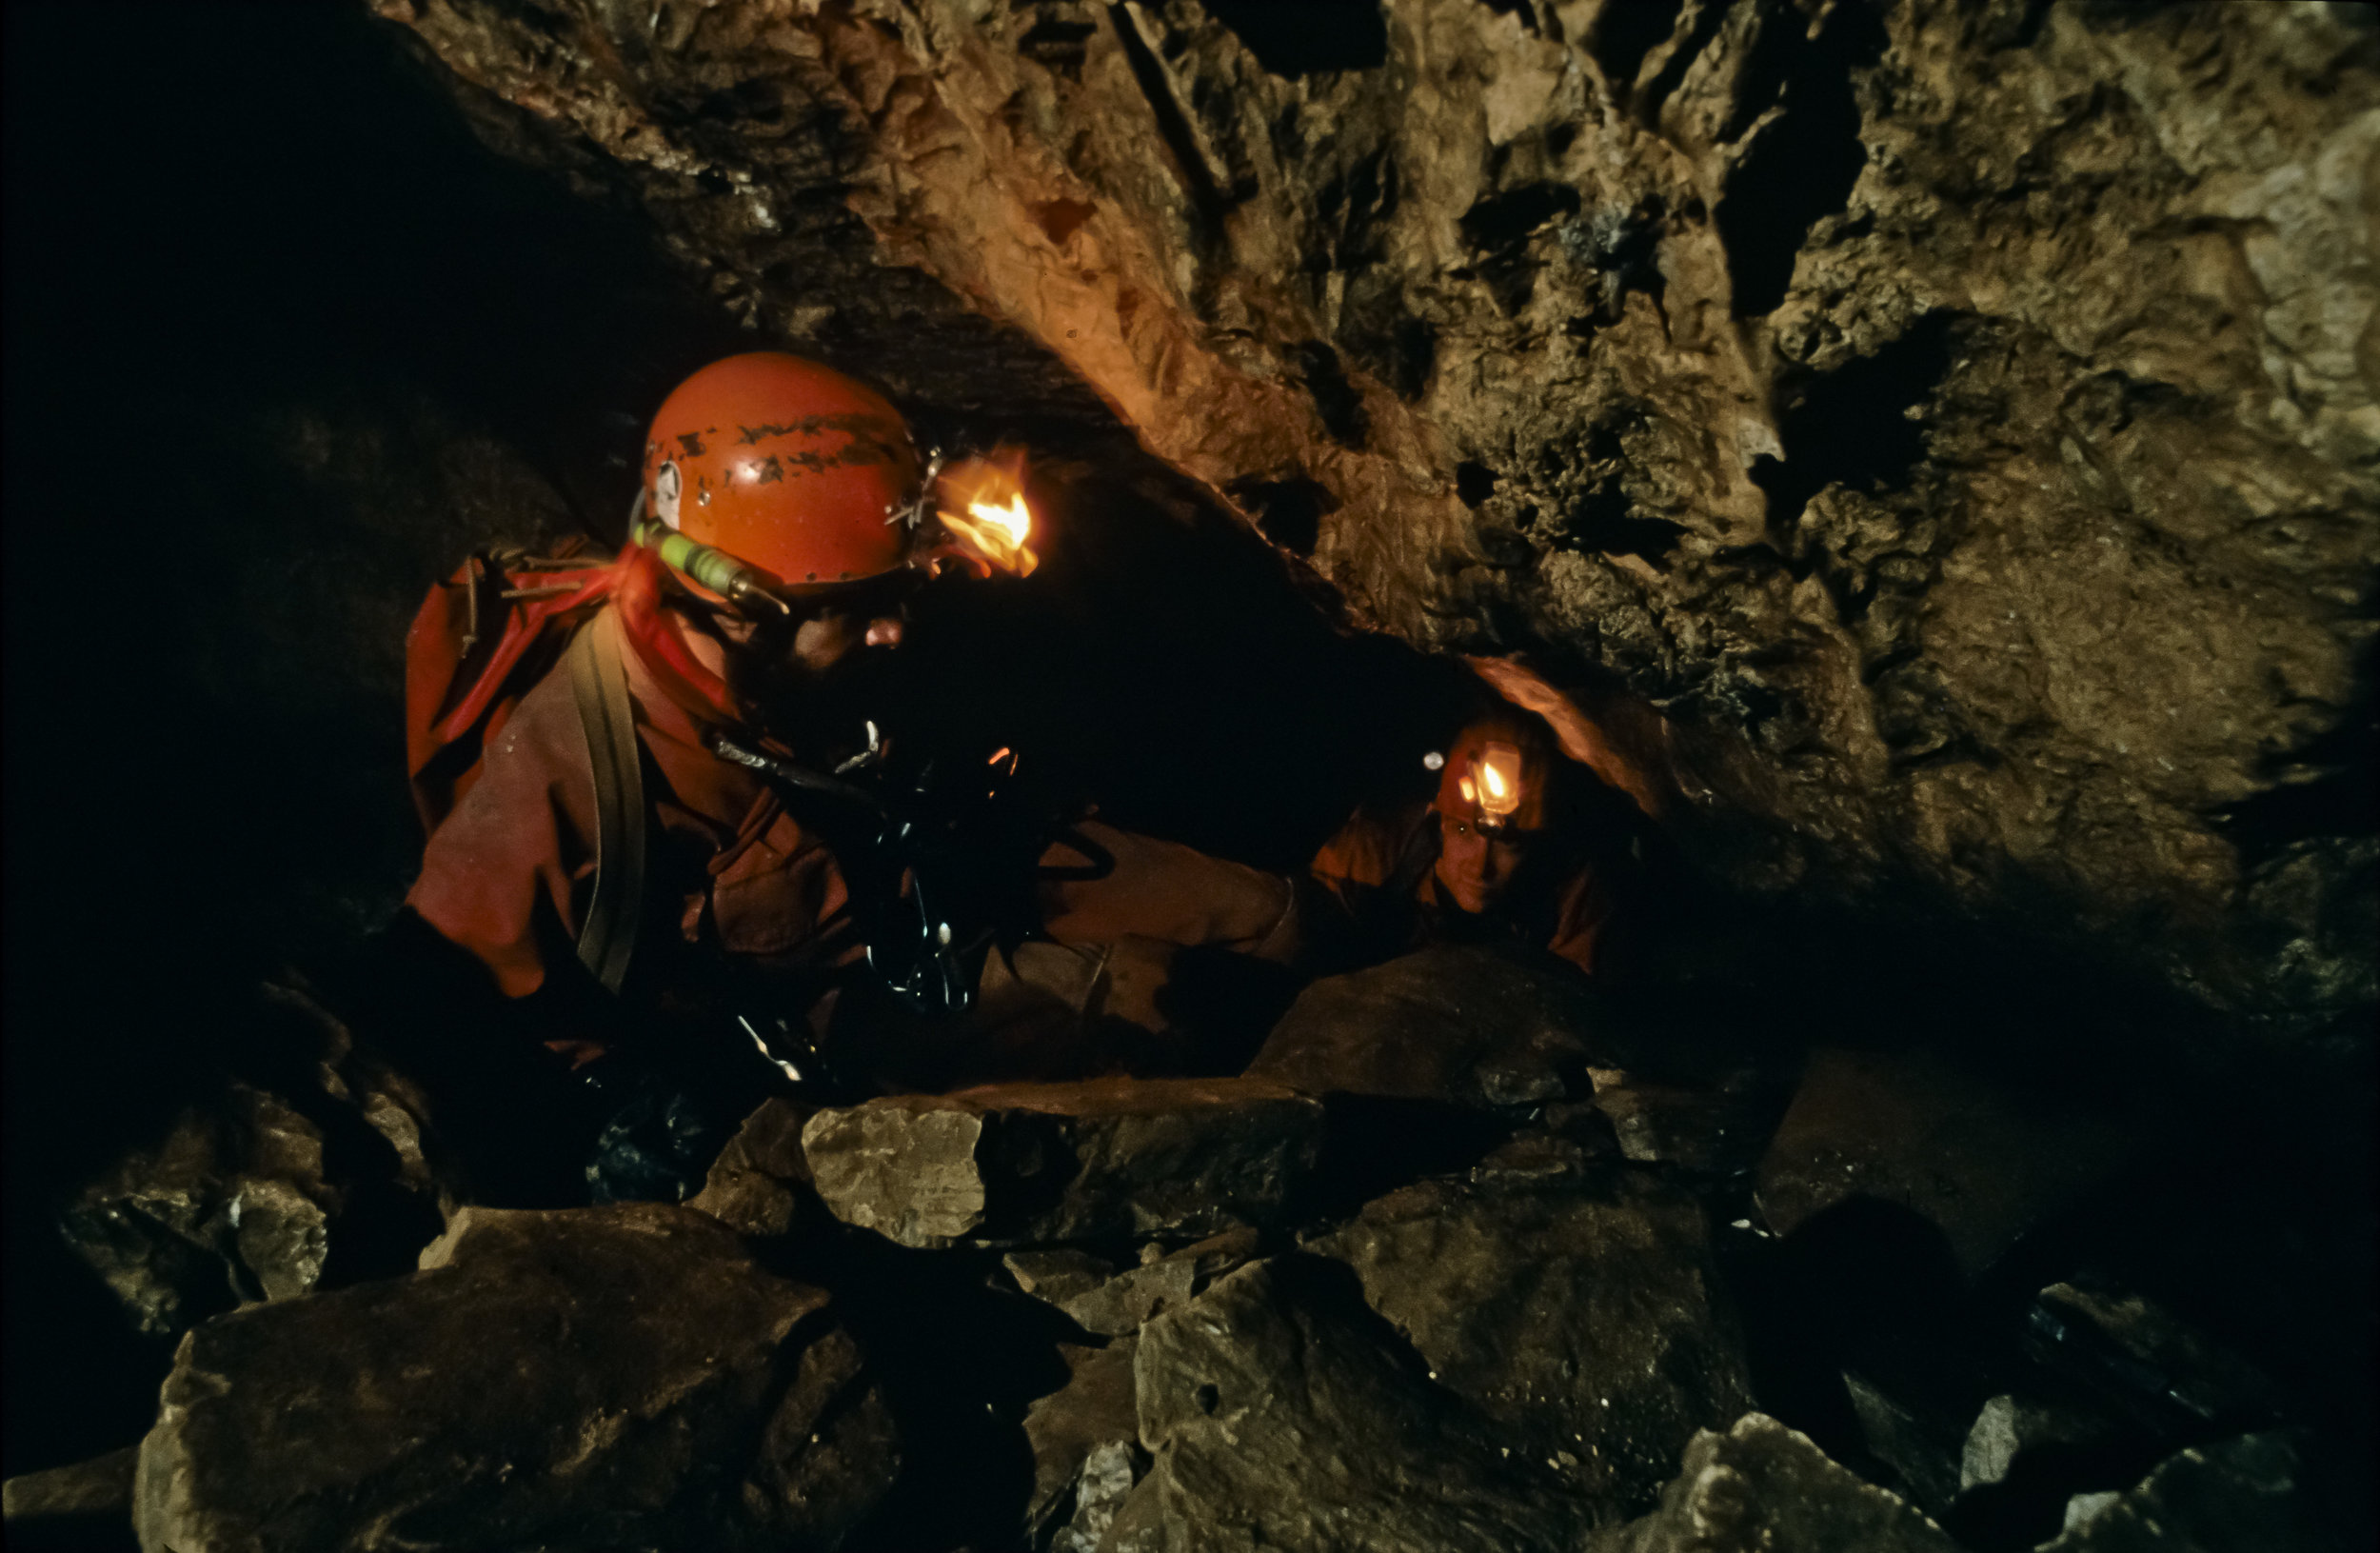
1472 1257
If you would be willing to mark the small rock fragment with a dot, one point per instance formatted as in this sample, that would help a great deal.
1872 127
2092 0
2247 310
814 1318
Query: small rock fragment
2012 1430
1762 1487
99 1488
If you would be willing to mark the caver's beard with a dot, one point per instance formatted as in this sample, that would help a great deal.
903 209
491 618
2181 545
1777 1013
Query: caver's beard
820 714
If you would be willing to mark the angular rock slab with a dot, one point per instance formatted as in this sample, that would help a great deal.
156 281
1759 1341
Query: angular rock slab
1460 1025
1982 1162
594 1377
1762 1487
1283 1416
1080 1434
760 1181
1025 1164
1590 1320
2241 1493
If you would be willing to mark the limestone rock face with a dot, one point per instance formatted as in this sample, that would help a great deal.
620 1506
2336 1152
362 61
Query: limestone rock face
615 1377
1024 1163
1959 418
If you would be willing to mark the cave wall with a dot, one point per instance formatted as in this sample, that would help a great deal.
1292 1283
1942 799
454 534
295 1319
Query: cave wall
1956 416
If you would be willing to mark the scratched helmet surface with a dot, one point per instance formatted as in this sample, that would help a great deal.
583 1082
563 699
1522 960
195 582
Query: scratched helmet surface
786 465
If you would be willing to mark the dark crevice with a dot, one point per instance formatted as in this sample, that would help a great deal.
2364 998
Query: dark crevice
1604 520
1474 482
1173 126
1802 168
1335 399
1312 37
1288 512
2342 797
1705 26
1624 34
1504 220
1851 426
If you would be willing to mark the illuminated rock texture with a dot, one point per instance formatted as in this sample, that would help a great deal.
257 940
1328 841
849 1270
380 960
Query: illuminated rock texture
1959 418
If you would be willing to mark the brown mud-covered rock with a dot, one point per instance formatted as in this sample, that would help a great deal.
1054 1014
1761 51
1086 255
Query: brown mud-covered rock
1592 1323
1021 1163
619 1376
1959 418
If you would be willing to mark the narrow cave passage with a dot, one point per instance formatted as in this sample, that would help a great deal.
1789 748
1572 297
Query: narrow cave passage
1531 1080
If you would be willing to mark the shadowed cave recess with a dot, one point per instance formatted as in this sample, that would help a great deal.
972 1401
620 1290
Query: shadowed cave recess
1934 444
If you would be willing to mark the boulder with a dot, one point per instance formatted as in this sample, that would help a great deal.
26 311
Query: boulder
1980 1161
1761 1487
1026 1163
1477 1027
1086 1452
1713 1131
2246 1492
1282 1414
760 1181
614 1376
1590 1322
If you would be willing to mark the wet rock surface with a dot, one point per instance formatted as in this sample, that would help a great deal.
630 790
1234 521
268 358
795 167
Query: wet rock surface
613 1375
1590 1319
1019 1164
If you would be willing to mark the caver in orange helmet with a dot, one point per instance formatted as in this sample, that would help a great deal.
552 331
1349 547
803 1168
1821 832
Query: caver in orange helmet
1496 776
784 465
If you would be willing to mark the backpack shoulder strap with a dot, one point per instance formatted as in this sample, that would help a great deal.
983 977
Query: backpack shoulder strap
600 686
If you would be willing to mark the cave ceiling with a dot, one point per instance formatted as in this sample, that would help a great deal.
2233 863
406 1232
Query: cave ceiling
1957 419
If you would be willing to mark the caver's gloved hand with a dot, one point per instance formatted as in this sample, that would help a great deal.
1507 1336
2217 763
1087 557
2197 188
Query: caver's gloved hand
657 1144
657 1111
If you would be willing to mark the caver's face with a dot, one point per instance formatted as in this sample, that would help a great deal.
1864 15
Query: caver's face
1475 864
815 676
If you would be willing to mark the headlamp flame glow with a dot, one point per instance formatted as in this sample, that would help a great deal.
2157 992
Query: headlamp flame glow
1497 768
981 504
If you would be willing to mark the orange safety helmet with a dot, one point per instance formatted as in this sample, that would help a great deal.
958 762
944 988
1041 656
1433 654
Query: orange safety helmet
786 465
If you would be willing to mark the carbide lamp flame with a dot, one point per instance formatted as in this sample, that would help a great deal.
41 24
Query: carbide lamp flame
983 507
1499 768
